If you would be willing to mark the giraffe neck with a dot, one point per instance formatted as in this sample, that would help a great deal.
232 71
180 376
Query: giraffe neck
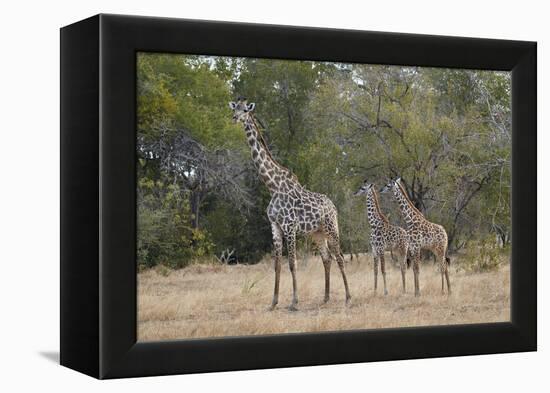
276 177
411 214
375 216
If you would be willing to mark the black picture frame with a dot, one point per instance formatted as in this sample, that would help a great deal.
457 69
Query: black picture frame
98 196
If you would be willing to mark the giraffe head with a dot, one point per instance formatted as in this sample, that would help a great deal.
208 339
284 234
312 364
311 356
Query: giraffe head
241 109
365 188
391 185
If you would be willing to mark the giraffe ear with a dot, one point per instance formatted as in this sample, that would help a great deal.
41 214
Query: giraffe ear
232 105
398 180
250 107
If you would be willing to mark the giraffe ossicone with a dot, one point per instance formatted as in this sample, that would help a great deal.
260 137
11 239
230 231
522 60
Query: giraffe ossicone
293 210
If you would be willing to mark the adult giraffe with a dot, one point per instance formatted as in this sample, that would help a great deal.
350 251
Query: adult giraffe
292 210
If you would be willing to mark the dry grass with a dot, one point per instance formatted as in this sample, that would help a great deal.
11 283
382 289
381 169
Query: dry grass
216 300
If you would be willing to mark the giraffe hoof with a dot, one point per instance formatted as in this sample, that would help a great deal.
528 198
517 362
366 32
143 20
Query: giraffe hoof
348 301
272 307
385 292
326 299
292 307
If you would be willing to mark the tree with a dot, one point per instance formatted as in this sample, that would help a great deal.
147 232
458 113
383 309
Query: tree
417 124
445 132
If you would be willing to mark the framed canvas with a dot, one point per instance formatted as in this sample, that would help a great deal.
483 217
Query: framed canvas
176 190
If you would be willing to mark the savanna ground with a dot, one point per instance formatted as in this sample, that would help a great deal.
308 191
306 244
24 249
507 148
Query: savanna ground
207 300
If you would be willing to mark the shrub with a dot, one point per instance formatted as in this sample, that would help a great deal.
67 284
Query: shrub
164 234
482 255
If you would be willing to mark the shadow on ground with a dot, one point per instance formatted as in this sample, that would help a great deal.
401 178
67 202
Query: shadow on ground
52 356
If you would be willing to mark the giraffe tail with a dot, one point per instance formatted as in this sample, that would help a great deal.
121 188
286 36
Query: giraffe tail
408 263
448 260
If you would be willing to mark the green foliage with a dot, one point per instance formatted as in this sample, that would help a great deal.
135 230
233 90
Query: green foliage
425 126
282 90
482 256
248 232
164 234
184 92
446 133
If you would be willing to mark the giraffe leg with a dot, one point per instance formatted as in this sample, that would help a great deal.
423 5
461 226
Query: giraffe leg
383 270
277 254
321 243
446 266
326 265
334 246
291 247
416 271
403 265
375 267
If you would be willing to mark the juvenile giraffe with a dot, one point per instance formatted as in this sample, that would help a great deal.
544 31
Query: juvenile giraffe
422 234
292 210
383 236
